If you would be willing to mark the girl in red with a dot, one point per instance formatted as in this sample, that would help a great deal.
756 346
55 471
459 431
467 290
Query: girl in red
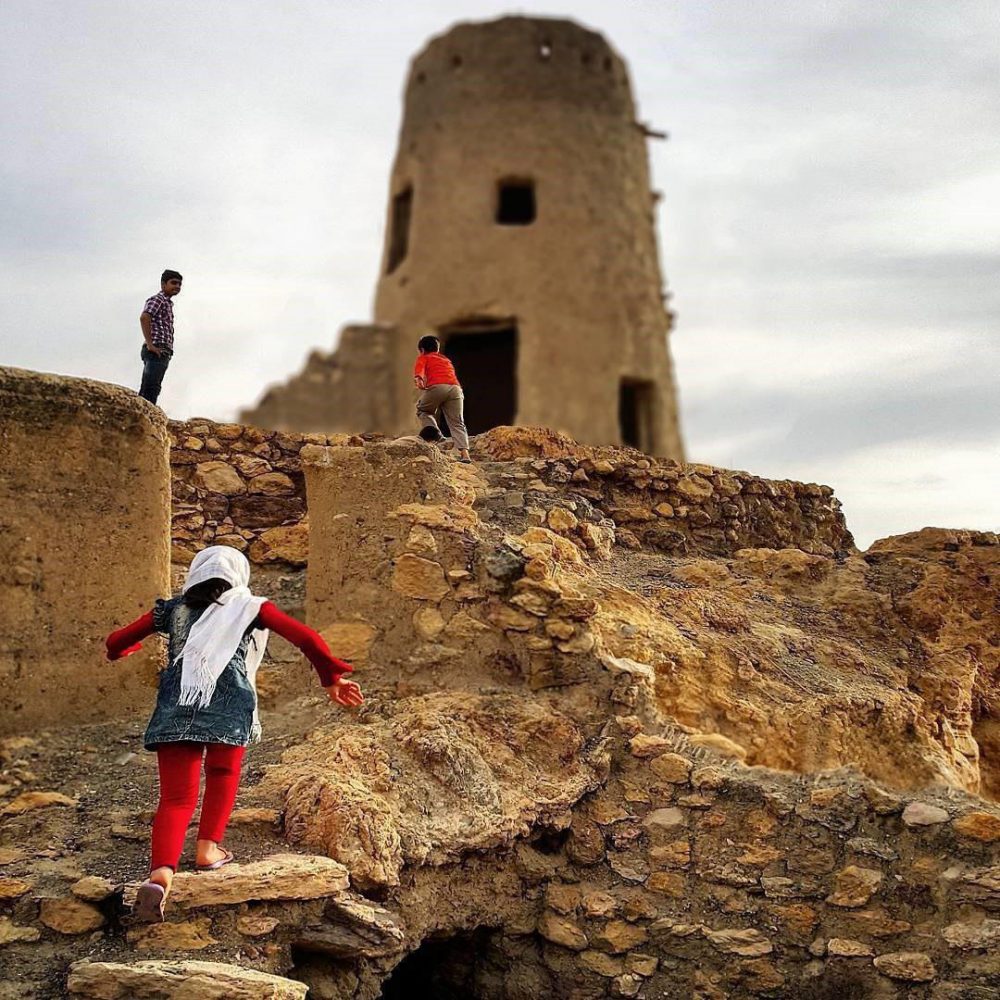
206 708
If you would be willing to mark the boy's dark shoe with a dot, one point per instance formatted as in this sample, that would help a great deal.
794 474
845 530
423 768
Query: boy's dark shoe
430 434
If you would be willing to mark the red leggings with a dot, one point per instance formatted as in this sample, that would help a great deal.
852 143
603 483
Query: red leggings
180 772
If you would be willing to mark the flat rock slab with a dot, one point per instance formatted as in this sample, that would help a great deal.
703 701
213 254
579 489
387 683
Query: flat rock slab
178 981
281 876
354 928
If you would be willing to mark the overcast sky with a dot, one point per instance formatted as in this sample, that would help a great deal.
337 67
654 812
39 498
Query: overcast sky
830 225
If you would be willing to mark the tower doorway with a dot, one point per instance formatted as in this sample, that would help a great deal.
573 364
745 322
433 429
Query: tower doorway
636 402
484 353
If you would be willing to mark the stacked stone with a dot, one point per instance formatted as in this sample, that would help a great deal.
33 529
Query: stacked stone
690 874
686 509
240 486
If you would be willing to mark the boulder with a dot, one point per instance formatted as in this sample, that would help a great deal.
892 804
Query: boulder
70 916
429 781
218 477
907 966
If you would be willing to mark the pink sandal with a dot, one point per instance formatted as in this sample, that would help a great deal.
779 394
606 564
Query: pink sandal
149 903
229 856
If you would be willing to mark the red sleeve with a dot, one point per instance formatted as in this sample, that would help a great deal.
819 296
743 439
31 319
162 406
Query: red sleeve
129 639
420 366
310 643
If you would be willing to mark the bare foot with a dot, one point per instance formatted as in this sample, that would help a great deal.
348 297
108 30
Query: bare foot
162 876
207 852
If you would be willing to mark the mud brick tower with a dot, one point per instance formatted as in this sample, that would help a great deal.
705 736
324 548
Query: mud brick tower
520 229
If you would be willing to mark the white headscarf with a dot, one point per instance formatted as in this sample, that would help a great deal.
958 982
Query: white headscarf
216 635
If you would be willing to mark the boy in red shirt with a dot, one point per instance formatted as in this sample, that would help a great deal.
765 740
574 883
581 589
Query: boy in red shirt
434 375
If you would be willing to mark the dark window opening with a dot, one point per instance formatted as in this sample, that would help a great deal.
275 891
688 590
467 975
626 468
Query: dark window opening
485 360
516 203
399 231
636 408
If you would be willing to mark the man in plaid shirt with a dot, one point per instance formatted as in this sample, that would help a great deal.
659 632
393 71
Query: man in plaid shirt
157 322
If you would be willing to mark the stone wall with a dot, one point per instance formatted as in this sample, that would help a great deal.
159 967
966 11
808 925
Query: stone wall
393 562
240 486
243 486
84 520
682 875
734 605
658 504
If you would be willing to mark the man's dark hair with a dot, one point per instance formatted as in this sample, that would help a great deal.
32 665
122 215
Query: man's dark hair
428 344
170 276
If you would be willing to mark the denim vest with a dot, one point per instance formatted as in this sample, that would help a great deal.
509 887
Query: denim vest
229 716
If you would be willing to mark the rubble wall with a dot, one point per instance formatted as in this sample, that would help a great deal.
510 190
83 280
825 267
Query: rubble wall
241 486
662 505
84 522
681 875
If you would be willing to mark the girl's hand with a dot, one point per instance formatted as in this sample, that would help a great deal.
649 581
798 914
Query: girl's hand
125 652
345 692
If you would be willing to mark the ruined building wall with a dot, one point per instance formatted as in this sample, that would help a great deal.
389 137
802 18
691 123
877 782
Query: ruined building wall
351 389
545 101
84 522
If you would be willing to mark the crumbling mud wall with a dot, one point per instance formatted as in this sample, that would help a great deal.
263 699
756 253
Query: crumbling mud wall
350 389
482 847
392 563
632 729
84 544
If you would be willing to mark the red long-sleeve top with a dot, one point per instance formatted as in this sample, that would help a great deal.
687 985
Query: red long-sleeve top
309 642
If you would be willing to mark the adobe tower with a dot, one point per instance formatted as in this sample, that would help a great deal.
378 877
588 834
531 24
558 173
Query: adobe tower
520 229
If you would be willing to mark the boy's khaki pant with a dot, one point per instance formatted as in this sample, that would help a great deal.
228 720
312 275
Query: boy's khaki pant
450 400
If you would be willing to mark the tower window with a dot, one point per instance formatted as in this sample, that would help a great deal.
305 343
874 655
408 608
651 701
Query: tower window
516 203
399 235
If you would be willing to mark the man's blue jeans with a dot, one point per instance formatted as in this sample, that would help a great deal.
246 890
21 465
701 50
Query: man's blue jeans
153 369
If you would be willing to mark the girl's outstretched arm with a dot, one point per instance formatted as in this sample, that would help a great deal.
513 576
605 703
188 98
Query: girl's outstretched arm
331 670
129 639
